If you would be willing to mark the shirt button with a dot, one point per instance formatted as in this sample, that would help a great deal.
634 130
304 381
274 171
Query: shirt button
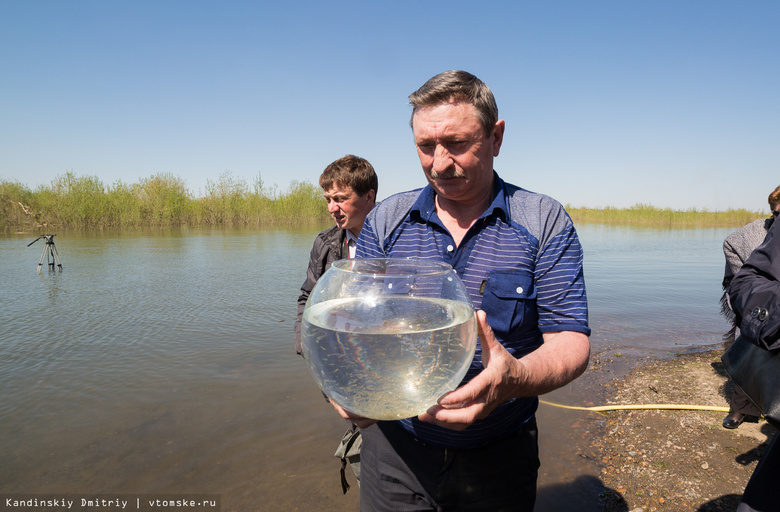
450 248
519 289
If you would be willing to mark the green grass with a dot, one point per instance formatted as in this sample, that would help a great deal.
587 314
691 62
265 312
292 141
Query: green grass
650 216
163 200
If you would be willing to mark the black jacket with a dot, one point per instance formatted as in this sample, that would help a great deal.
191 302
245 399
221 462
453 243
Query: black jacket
329 246
755 292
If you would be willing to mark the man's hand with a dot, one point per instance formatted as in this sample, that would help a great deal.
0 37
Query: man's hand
360 421
562 357
460 408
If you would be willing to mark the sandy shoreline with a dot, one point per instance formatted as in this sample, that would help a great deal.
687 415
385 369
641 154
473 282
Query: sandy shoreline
674 460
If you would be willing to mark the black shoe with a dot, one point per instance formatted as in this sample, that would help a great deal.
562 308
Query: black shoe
733 420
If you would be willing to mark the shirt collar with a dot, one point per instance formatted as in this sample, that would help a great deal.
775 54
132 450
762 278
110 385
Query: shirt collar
350 236
425 205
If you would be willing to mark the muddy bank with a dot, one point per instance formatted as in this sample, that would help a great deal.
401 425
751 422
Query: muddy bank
675 460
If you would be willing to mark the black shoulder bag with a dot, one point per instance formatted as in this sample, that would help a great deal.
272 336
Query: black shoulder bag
756 371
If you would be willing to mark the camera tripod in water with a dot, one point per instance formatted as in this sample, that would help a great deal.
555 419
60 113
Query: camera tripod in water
49 252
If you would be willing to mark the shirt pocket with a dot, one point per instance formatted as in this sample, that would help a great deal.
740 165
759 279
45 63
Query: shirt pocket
509 298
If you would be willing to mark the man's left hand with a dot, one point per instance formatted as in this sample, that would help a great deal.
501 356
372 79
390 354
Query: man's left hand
559 360
492 386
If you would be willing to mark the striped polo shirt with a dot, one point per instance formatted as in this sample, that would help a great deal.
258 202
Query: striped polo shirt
521 263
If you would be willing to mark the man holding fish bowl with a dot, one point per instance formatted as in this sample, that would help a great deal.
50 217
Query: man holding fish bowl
519 258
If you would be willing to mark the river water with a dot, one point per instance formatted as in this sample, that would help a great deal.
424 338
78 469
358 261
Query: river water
162 362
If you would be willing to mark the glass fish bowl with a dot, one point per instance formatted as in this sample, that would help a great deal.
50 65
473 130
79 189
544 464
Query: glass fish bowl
385 338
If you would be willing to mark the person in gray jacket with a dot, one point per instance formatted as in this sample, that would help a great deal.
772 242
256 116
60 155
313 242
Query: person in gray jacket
349 186
737 248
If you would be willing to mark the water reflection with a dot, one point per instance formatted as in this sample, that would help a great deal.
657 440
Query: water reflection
164 362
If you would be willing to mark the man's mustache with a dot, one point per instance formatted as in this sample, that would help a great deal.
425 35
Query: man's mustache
448 174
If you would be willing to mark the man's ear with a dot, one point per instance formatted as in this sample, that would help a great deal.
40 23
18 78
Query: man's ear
498 136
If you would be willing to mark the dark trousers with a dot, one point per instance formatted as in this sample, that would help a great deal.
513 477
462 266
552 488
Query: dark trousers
761 490
402 474
741 403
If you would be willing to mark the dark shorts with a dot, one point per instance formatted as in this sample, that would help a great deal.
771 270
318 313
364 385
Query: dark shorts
402 474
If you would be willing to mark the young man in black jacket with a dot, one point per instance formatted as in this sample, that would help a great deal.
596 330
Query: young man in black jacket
349 186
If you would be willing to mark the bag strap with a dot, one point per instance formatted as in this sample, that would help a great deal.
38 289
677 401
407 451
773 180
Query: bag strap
343 451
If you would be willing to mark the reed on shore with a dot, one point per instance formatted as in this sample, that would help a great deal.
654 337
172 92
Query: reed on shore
649 216
163 200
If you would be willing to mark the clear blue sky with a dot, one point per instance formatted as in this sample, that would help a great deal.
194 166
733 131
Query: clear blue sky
607 103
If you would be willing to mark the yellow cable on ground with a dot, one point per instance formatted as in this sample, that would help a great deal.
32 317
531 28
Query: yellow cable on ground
601 408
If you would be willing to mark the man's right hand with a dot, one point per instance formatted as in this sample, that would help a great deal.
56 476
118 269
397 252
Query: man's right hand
360 421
